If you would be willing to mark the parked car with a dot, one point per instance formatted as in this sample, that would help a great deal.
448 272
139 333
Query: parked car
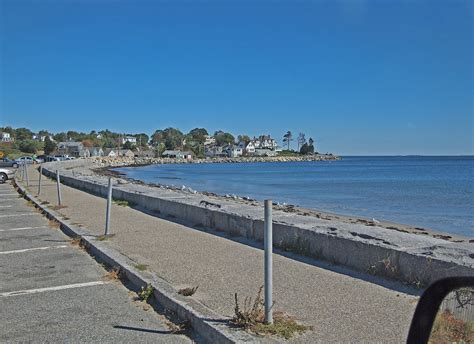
51 158
5 162
25 159
60 157
5 174
40 159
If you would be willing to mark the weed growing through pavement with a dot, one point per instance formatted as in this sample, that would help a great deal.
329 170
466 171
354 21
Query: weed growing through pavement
121 203
188 291
141 267
145 292
105 237
251 316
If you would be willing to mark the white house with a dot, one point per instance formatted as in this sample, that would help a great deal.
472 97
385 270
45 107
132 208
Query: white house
71 148
177 154
96 151
250 148
42 138
267 142
5 137
209 140
110 152
215 152
233 151
131 139
126 152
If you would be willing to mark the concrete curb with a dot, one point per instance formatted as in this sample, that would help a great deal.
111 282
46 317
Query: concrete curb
211 326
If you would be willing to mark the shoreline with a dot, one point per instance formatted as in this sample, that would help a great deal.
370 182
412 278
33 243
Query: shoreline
295 209
145 161
400 252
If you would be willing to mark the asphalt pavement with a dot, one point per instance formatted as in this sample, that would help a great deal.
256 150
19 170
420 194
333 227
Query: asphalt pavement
52 291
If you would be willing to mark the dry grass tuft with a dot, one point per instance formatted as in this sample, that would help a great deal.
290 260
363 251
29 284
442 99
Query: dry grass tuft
77 241
448 329
178 328
252 316
54 224
57 207
113 274
188 291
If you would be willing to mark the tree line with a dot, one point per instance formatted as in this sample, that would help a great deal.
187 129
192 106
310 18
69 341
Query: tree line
304 147
160 140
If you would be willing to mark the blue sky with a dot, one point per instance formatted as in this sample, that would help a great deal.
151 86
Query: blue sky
361 77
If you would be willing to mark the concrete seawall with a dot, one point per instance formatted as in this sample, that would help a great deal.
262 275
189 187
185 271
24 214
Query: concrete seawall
411 258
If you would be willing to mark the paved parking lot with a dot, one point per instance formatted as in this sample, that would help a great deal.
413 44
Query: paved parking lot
52 291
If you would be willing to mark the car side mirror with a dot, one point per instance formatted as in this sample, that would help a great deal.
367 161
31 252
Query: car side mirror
445 313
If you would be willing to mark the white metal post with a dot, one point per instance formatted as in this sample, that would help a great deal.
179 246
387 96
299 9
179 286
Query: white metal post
268 246
39 178
26 175
58 184
109 207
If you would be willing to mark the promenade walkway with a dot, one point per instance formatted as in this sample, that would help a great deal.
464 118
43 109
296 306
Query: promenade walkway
340 304
53 292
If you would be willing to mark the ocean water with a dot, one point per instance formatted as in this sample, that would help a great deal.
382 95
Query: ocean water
430 192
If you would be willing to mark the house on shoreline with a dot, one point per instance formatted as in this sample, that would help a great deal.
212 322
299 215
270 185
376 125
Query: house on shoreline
177 154
73 149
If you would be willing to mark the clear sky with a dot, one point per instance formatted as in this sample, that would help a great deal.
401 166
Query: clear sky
361 77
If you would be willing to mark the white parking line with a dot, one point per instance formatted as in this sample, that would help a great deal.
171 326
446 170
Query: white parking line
21 228
9 199
24 214
8 194
34 249
61 287
6 206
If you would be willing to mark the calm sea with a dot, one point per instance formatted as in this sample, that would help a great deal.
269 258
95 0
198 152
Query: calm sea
432 192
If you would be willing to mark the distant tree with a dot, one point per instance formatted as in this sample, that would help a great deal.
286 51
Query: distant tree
43 133
287 138
129 145
9 130
173 138
157 137
311 143
49 146
108 142
142 139
218 132
23 134
60 137
198 135
73 135
307 148
224 139
301 140
30 146
88 143
243 138
160 148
